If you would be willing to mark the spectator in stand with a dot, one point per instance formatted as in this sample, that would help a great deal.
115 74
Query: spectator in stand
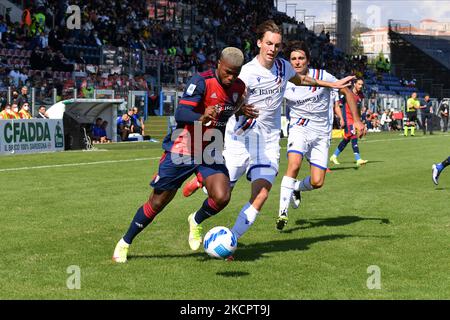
24 112
103 135
23 97
138 122
375 121
15 97
5 113
368 121
123 126
96 130
386 120
14 111
42 113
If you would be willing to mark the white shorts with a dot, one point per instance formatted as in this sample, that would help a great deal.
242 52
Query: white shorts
256 154
310 144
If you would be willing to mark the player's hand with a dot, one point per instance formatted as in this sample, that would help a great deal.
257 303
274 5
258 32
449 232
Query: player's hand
210 114
341 123
343 83
360 128
249 111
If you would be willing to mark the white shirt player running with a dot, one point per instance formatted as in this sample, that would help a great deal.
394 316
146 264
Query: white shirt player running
312 103
258 145
311 113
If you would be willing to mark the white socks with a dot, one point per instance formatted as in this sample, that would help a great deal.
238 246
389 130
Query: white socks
245 219
287 188
304 185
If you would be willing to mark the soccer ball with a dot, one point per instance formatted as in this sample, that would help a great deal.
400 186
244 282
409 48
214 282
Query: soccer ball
220 242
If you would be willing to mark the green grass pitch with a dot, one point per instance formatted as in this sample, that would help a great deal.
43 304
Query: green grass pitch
386 214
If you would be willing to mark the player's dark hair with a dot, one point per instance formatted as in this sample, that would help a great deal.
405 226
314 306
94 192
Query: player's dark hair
268 25
296 45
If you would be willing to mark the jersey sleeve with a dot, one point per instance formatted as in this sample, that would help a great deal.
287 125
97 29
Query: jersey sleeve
188 109
244 75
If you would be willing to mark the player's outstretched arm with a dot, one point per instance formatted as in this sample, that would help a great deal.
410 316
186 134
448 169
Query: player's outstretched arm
357 123
303 80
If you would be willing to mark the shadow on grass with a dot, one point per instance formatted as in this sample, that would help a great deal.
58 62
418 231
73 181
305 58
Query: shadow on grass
331 222
233 274
353 166
343 168
255 251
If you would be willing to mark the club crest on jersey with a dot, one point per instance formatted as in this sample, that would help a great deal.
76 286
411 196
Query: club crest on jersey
268 101
259 79
235 97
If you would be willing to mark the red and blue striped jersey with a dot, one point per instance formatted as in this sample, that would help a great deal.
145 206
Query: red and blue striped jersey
347 114
202 91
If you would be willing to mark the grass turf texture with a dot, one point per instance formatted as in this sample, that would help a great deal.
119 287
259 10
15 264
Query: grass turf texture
387 213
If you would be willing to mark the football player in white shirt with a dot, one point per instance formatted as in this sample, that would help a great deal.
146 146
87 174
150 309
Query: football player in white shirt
252 145
311 113
256 151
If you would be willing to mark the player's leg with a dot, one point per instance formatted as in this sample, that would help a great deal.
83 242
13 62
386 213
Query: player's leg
143 217
297 148
437 169
347 136
250 211
359 161
424 123
165 184
287 187
339 149
318 160
413 128
430 123
405 127
217 182
264 151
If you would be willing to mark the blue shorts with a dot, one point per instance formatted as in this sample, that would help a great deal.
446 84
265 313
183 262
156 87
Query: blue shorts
171 176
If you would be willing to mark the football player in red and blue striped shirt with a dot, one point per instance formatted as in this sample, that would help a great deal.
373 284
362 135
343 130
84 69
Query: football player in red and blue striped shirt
196 146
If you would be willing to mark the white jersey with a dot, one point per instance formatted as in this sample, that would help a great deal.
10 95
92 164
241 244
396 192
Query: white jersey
265 91
312 103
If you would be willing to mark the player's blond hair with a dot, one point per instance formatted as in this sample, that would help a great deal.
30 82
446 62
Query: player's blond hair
233 56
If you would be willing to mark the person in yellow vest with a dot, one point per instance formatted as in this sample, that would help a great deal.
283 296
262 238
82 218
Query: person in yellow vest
4 114
14 111
25 111
411 114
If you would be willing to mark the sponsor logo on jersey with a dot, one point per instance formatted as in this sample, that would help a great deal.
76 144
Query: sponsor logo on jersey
190 90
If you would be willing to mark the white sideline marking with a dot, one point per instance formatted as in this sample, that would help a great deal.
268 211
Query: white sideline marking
154 158
405 138
77 164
